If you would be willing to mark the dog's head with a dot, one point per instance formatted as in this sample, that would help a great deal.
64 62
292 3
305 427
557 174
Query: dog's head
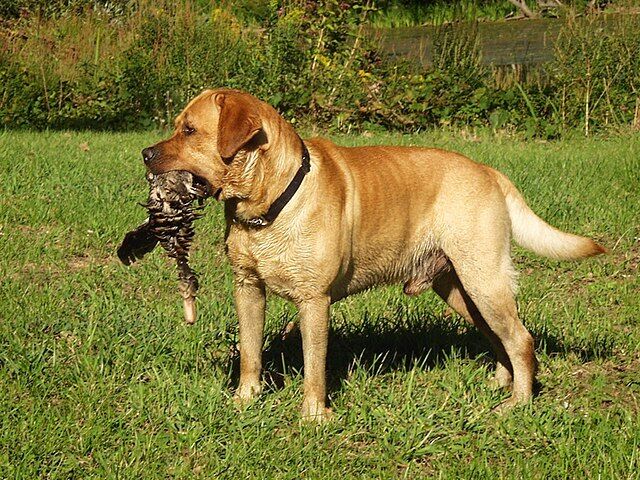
210 133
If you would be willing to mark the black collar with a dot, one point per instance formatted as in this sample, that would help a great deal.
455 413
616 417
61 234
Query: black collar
280 202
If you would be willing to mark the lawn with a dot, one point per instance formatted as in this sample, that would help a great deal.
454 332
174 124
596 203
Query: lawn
100 377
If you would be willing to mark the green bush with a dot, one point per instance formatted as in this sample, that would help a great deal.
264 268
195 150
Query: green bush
137 65
179 53
597 72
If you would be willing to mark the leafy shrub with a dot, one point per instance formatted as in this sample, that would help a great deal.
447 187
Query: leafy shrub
137 66
178 53
597 72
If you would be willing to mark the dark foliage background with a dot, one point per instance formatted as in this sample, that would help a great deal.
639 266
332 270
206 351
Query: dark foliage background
120 65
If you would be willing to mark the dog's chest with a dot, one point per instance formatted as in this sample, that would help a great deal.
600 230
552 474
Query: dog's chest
284 261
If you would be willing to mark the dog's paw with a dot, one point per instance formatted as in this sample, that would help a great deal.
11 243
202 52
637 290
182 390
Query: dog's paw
501 379
247 392
315 412
509 404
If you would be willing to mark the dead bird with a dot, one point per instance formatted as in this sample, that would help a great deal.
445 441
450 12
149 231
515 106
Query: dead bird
175 201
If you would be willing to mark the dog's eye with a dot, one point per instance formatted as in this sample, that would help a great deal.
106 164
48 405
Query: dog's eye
188 130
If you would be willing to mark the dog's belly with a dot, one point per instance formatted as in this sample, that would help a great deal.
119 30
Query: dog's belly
417 268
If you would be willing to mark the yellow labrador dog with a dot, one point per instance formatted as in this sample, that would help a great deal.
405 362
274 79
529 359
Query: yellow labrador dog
315 222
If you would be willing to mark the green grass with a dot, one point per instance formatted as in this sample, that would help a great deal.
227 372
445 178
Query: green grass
100 378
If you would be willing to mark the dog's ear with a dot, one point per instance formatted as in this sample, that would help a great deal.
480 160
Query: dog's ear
237 125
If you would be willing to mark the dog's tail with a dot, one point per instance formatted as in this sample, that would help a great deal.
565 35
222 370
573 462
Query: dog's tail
533 233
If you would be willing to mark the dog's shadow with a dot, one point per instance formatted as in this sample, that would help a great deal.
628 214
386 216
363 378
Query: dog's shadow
382 345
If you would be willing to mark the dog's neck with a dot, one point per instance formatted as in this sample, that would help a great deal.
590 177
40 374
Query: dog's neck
257 178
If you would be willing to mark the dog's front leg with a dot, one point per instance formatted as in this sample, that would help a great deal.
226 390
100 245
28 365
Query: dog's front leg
314 327
250 299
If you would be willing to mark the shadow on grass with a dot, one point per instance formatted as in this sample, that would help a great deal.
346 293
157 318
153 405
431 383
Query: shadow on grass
383 345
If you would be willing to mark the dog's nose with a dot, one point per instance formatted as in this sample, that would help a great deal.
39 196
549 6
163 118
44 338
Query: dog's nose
148 154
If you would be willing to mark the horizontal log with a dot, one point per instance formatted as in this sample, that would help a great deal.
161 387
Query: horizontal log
519 42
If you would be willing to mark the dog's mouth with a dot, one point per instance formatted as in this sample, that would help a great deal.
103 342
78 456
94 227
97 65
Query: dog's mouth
200 187
205 189
203 185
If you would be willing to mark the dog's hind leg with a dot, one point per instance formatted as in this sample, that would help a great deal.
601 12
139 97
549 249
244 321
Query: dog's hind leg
449 288
487 277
